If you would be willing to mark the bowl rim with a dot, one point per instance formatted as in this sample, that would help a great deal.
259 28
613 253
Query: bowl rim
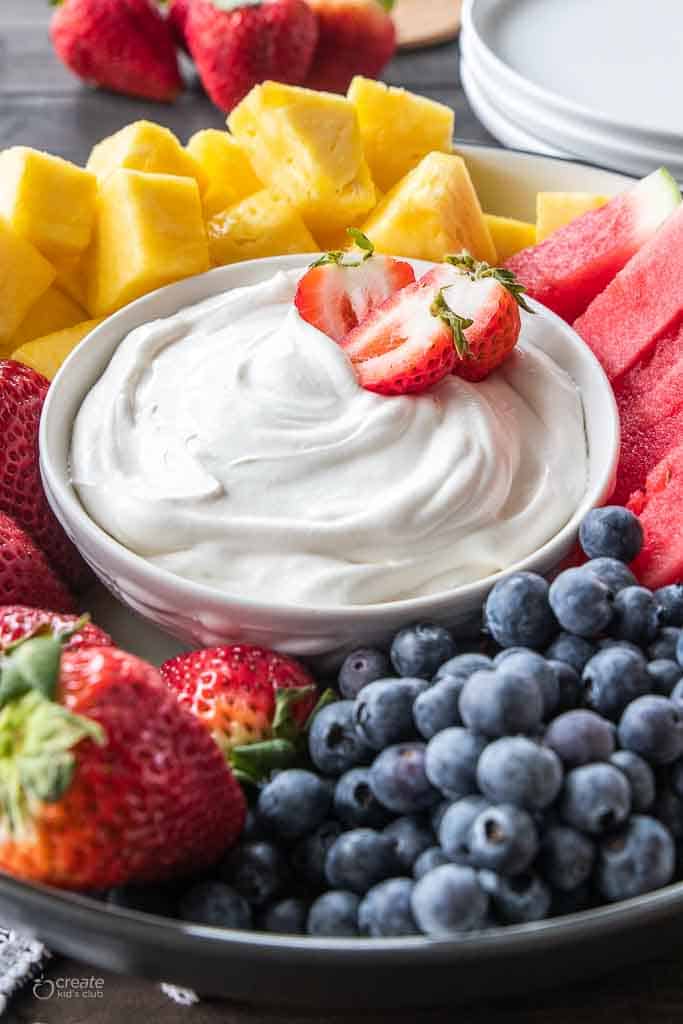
120 560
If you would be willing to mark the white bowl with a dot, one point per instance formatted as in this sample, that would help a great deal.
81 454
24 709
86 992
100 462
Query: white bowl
199 614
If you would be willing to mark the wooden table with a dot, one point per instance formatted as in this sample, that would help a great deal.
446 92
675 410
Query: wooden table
42 105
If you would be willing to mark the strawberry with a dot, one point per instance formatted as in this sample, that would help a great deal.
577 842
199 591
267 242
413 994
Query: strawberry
17 622
25 576
355 37
22 393
122 45
247 697
238 43
490 299
338 291
104 779
177 12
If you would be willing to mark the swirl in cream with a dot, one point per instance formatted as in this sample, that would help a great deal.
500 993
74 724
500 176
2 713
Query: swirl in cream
231 444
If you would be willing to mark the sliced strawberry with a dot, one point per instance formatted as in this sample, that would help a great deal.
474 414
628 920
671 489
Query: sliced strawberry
490 298
19 621
341 289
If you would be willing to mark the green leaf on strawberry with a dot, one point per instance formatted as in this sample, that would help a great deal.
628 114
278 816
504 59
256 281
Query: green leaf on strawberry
478 269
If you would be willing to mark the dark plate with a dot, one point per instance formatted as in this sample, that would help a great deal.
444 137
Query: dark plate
259 968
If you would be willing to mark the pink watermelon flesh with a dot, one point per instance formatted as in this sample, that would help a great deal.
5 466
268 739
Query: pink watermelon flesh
659 508
642 448
643 303
577 262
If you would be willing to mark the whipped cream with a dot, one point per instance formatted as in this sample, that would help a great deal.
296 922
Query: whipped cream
231 444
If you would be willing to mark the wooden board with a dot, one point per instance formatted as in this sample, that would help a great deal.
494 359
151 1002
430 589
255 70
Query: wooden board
426 22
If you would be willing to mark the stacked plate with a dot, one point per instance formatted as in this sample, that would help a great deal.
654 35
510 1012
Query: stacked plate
598 81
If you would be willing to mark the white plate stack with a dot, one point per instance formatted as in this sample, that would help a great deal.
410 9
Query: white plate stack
601 80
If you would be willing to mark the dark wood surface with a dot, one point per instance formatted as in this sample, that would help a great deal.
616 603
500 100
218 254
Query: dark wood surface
42 105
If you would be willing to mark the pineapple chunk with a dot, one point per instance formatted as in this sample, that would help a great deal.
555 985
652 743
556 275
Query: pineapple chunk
47 354
229 175
398 128
509 235
149 232
433 211
71 279
25 275
555 209
307 146
48 201
144 146
261 225
52 312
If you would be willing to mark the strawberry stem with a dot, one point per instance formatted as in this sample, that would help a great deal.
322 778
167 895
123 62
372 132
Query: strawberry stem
337 256
458 324
478 269
285 725
256 761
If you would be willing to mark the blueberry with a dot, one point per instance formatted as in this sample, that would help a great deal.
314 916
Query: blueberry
294 802
215 904
437 708
399 780
419 650
664 675
613 573
429 859
531 665
622 645
640 776
636 860
611 532
360 667
333 742
580 736
571 649
448 900
635 616
285 917
677 777
451 761
519 899
359 859
567 857
335 913
581 602
462 666
653 727
503 838
665 644
256 870
354 802
670 601
498 703
518 771
571 901
310 853
437 812
679 649
668 808
569 685
507 652
384 712
254 828
386 909
596 798
411 836
517 612
455 826
612 678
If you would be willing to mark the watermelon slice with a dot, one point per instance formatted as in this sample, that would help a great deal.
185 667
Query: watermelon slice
575 263
659 508
643 303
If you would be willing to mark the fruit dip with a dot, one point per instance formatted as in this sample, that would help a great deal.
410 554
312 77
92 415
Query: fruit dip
231 444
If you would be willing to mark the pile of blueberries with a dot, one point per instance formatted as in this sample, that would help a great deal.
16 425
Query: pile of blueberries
457 785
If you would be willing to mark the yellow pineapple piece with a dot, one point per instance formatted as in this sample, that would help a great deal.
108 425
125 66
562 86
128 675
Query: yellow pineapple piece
52 312
263 224
398 128
307 146
229 175
47 354
555 209
25 275
434 210
149 231
48 201
71 279
144 146
509 235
